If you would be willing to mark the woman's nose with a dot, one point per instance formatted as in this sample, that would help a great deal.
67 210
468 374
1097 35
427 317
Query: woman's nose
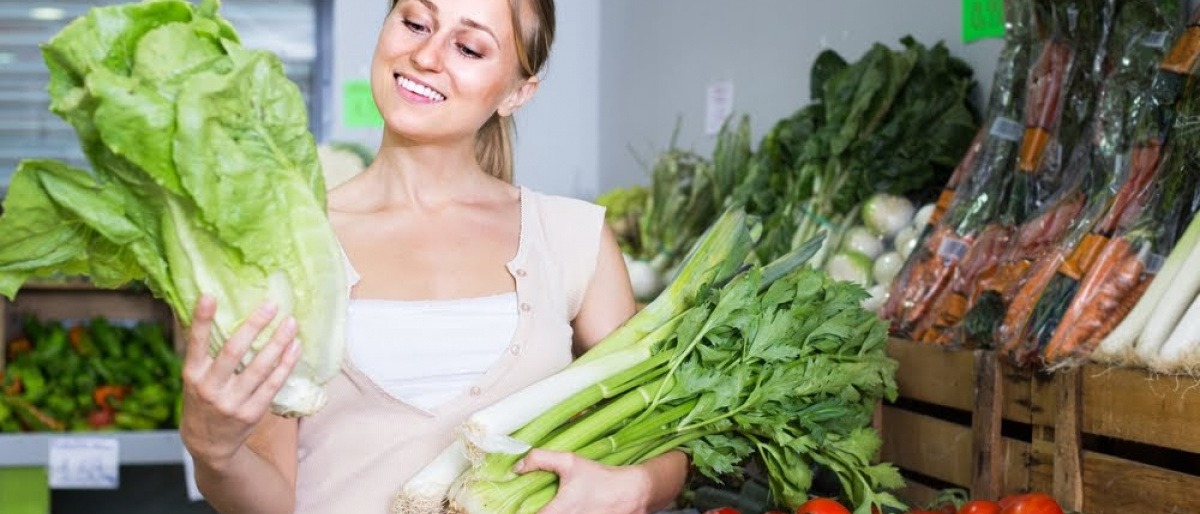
428 56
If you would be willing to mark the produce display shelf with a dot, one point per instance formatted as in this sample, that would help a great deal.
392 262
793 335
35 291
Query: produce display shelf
135 448
1102 440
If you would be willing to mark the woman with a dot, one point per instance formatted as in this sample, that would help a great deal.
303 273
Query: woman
465 288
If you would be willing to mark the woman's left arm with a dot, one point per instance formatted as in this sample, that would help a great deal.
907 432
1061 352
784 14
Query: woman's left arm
586 486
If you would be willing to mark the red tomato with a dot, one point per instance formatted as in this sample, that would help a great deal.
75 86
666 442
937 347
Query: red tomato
822 506
980 507
723 510
1032 503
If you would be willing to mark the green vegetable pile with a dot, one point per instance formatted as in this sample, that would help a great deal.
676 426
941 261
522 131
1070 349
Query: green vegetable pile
204 179
895 121
96 377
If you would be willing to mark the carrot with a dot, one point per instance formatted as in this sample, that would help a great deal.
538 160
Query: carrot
1130 199
1044 98
951 304
1023 298
1117 271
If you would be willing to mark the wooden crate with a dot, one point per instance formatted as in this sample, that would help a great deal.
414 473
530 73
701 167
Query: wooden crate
1102 440
946 430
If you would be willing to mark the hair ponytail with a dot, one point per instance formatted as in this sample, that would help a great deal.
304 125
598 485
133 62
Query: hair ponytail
494 147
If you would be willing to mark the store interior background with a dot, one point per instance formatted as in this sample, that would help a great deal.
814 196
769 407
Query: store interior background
623 72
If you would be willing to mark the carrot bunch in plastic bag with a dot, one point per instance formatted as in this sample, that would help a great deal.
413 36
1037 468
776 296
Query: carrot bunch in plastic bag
976 188
1065 234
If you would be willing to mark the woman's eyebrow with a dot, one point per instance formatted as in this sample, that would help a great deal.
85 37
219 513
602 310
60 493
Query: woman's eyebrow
476 25
465 21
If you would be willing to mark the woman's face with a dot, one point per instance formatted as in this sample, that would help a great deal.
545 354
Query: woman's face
443 67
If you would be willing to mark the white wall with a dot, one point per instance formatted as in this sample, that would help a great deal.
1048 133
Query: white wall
355 28
658 57
557 149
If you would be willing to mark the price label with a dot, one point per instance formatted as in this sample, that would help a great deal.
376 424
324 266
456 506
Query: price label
1007 129
952 249
358 105
1155 40
84 463
982 19
718 106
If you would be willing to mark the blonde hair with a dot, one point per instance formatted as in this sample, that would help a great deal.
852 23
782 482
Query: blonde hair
494 141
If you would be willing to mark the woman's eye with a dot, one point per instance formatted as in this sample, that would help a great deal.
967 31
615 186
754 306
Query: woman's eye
467 51
415 27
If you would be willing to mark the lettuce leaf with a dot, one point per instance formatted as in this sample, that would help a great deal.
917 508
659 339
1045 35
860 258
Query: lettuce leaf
205 179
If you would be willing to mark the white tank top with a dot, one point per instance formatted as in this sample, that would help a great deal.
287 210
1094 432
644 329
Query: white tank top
425 353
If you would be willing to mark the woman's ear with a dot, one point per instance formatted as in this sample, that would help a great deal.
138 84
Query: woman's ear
523 93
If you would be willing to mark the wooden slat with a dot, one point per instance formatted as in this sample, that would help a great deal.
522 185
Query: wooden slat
1133 405
987 463
1015 464
929 446
947 377
1041 449
1068 444
933 375
1119 486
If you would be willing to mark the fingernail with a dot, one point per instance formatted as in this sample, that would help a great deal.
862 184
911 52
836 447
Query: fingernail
520 467
289 323
294 348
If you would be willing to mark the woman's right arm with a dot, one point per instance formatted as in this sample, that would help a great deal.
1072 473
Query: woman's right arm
245 457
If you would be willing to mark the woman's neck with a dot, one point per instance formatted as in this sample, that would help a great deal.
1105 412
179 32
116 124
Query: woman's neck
426 174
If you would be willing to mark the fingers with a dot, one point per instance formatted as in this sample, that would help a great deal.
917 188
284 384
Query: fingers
235 348
268 357
273 382
196 357
559 463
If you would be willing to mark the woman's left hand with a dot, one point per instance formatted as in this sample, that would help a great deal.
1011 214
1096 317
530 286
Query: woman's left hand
588 487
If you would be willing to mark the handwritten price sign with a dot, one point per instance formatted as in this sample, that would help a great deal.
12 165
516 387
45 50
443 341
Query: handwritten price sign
982 19
84 463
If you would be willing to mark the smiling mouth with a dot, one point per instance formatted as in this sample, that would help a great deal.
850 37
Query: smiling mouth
418 88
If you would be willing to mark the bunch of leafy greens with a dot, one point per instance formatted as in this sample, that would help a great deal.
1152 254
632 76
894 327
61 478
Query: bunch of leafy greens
731 360
789 369
205 180
688 192
895 121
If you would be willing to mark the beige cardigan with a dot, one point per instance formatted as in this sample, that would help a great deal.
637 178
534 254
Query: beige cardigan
357 451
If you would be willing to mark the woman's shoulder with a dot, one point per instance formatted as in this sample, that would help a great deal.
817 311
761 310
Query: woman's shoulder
550 206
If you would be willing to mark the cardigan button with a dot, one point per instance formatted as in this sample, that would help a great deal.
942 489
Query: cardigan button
514 349
526 307
521 272
475 391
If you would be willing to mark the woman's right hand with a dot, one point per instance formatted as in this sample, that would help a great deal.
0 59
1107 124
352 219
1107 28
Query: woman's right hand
221 406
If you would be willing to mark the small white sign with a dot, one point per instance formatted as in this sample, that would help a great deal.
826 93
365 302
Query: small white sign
718 107
84 463
189 477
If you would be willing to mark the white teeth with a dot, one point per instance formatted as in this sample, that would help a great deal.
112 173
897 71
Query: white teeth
419 89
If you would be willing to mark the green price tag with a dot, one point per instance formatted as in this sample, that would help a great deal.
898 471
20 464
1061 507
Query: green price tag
982 19
358 106
25 490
